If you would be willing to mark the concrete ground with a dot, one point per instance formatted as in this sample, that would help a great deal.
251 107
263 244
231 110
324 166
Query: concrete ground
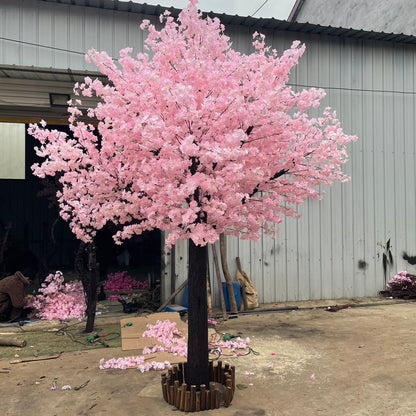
306 361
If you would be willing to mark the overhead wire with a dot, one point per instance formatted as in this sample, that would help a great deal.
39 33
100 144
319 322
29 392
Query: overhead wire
350 89
259 8
41 46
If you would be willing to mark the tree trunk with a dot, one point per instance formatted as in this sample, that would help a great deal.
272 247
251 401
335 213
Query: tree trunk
227 275
197 316
86 267
91 292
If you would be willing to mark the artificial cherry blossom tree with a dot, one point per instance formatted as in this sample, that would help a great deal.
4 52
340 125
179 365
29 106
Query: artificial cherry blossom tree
195 139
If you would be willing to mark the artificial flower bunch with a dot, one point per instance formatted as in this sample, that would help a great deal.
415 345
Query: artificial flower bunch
402 285
235 344
122 282
58 300
169 338
115 298
138 362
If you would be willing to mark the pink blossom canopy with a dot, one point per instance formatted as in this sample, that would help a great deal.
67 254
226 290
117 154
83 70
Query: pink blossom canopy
193 138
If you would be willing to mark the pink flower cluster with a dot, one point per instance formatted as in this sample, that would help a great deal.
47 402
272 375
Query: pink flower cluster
115 298
168 335
235 343
201 116
402 281
171 340
59 300
138 362
121 282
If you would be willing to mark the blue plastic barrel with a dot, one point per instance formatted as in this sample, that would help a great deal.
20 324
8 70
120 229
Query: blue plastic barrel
185 301
237 295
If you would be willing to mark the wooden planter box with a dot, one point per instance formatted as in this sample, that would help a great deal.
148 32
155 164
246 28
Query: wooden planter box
220 390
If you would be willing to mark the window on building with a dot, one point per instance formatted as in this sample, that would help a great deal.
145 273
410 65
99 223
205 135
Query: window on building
12 151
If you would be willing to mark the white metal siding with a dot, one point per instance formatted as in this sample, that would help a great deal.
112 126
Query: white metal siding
371 86
65 32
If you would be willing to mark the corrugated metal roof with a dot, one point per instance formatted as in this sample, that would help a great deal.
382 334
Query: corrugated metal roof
260 23
389 16
46 74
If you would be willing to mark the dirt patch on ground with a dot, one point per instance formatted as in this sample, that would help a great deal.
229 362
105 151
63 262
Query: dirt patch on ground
356 361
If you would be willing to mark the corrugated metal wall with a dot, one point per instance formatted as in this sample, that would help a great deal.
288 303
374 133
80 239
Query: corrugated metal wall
66 31
335 249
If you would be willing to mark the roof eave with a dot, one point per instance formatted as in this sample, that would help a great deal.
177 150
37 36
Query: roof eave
257 23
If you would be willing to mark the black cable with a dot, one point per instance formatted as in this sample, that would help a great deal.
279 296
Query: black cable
42 46
45 330
73 339
22 42
100 338
259 8
290 84
216 350
351 89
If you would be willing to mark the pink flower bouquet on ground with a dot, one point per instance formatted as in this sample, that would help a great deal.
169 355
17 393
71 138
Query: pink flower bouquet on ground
402 285
59 300
122 282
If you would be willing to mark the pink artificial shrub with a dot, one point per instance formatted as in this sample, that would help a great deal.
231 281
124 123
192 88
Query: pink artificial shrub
122 282
59 300
115 298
